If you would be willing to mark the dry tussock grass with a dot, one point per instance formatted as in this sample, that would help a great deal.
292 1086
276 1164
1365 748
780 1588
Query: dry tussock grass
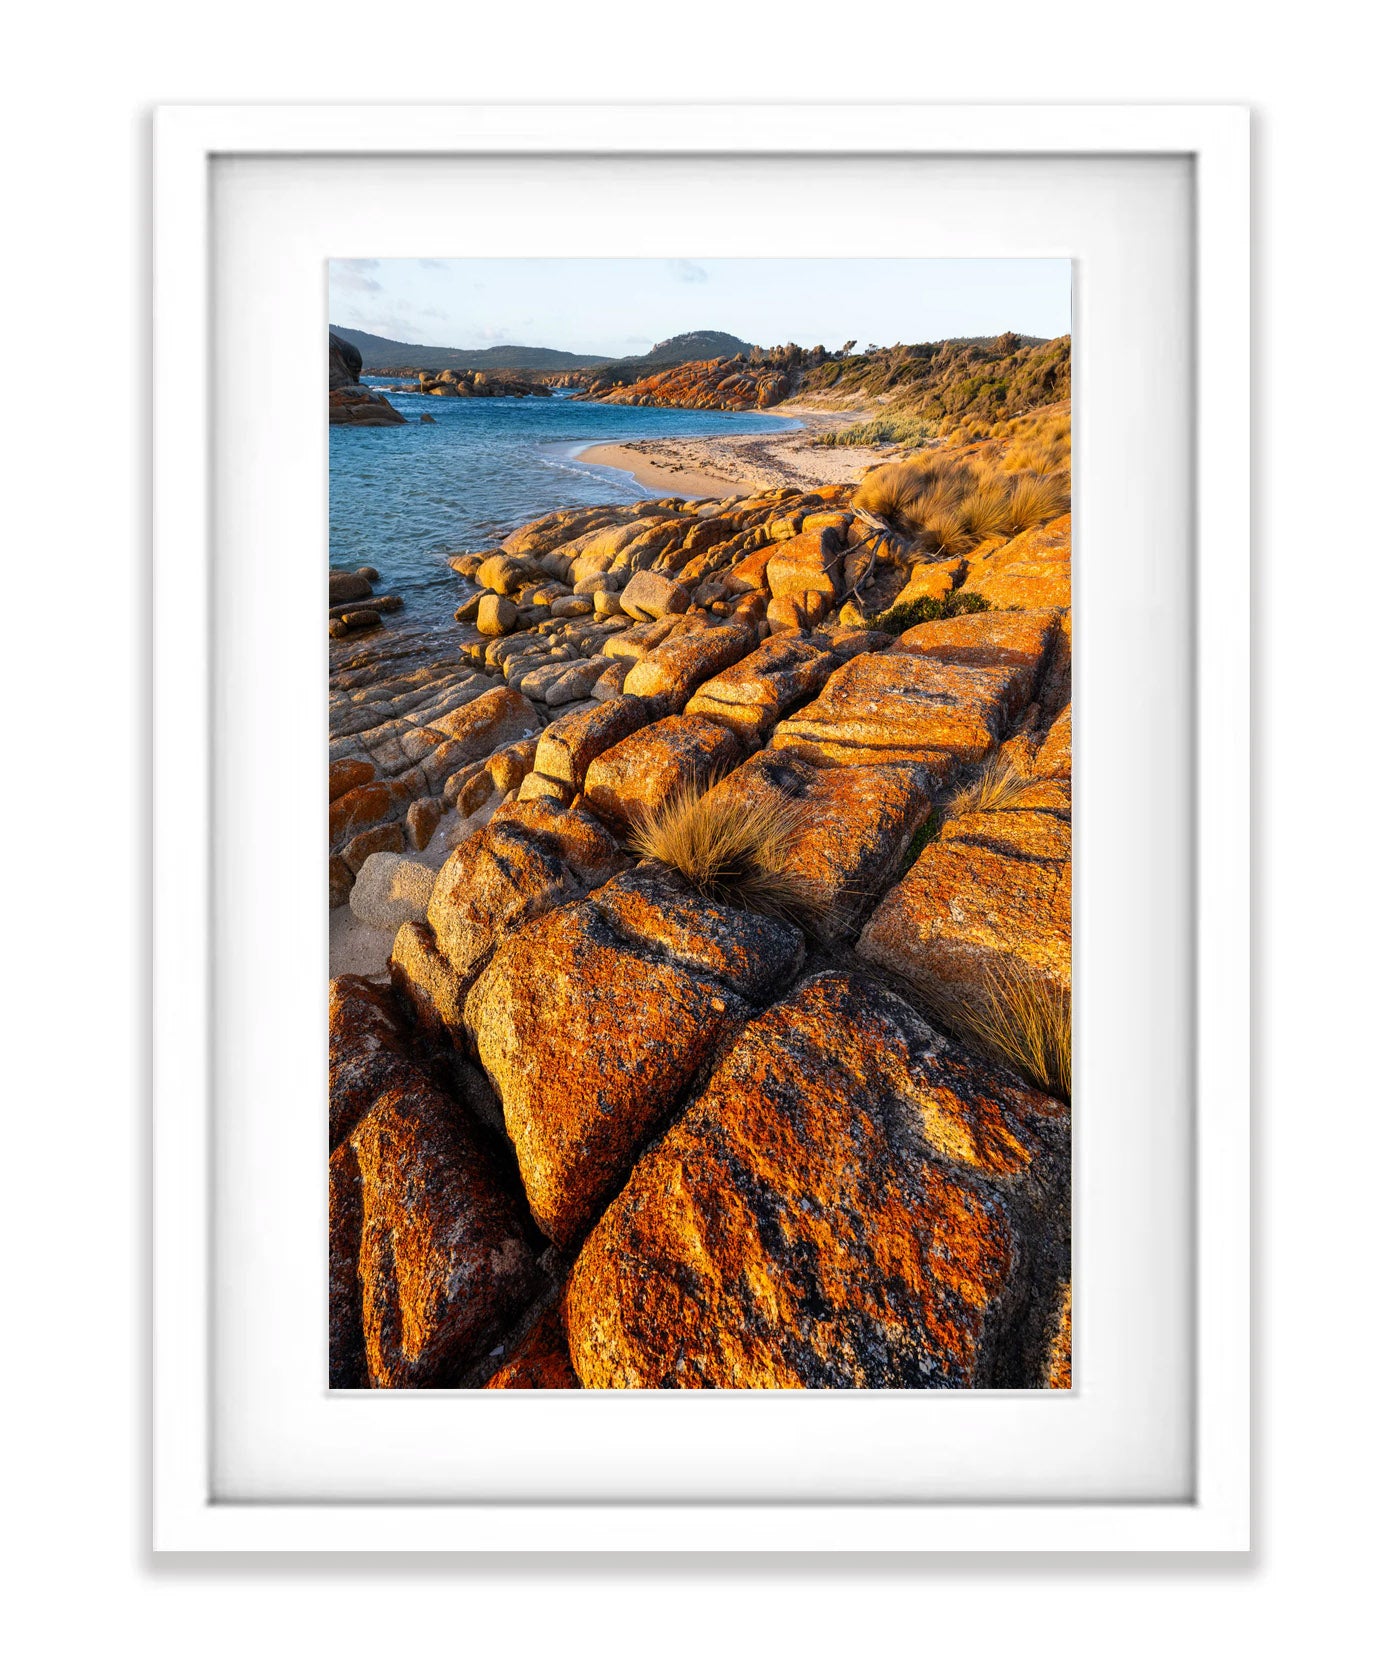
949 504
998 785
1018 1018
1039 443
1035 497
729 846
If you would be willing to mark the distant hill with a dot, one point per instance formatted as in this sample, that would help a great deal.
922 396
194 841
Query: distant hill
393 353
693 347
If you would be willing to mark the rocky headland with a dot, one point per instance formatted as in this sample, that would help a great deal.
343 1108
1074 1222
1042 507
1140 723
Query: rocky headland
709 889
351 403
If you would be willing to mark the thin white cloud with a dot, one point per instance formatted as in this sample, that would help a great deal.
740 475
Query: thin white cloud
688 272
354 275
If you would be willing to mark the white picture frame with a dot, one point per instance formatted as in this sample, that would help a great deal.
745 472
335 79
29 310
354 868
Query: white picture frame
188 1514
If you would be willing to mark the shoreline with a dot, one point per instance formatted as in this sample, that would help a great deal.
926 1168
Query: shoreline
739 462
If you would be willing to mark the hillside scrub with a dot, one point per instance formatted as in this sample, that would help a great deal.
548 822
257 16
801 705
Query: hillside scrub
955 381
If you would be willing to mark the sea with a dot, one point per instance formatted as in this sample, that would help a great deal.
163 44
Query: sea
402 498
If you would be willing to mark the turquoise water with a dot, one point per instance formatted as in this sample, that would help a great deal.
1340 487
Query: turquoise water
403 498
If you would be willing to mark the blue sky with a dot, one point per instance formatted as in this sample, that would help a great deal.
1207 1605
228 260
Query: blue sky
622 306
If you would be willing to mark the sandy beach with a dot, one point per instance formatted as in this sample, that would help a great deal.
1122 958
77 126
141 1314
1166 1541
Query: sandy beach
718 466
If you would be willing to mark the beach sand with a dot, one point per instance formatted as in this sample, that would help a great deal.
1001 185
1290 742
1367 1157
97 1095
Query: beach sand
718 466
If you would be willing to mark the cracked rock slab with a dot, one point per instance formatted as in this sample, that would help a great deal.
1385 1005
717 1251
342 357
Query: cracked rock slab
850 1202
591 1024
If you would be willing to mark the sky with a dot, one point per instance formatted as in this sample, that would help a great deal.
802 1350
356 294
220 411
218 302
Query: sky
622 306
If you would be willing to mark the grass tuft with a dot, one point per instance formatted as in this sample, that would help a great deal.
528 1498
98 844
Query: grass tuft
948 505
997 785
1020 1019
1035 497
730 847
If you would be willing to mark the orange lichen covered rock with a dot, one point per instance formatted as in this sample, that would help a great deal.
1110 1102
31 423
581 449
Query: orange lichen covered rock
363 806
630 645
994 891
347 773
541 1360
342 882
1011 640
752 571
856 823
525 861
346 1350
432 990
726 382
930 580
554 530
810 560
443 1261
650 766
897 707
428 1256
366 1050
650 596
570 744
849 1202
1058 1367
471 732
753 694
1055 757
385 837
669 674
492 720
1032 570
591 1024
656 910
358 405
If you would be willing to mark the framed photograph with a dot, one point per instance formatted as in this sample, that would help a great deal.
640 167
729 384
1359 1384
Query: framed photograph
788 591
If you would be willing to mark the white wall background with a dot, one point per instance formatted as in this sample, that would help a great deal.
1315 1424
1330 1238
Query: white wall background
75 273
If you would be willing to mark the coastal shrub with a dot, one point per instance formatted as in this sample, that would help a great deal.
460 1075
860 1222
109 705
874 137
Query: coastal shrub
907 614
975 384
730 846
1019 1018
872 434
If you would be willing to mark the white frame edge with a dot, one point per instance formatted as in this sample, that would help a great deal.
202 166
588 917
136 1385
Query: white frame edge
187 139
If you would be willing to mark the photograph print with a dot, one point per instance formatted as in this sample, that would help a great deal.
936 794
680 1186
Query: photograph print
700 823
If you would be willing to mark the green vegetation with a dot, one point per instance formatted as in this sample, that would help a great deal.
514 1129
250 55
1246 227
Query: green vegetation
967 382
873 433
926 831
907 614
